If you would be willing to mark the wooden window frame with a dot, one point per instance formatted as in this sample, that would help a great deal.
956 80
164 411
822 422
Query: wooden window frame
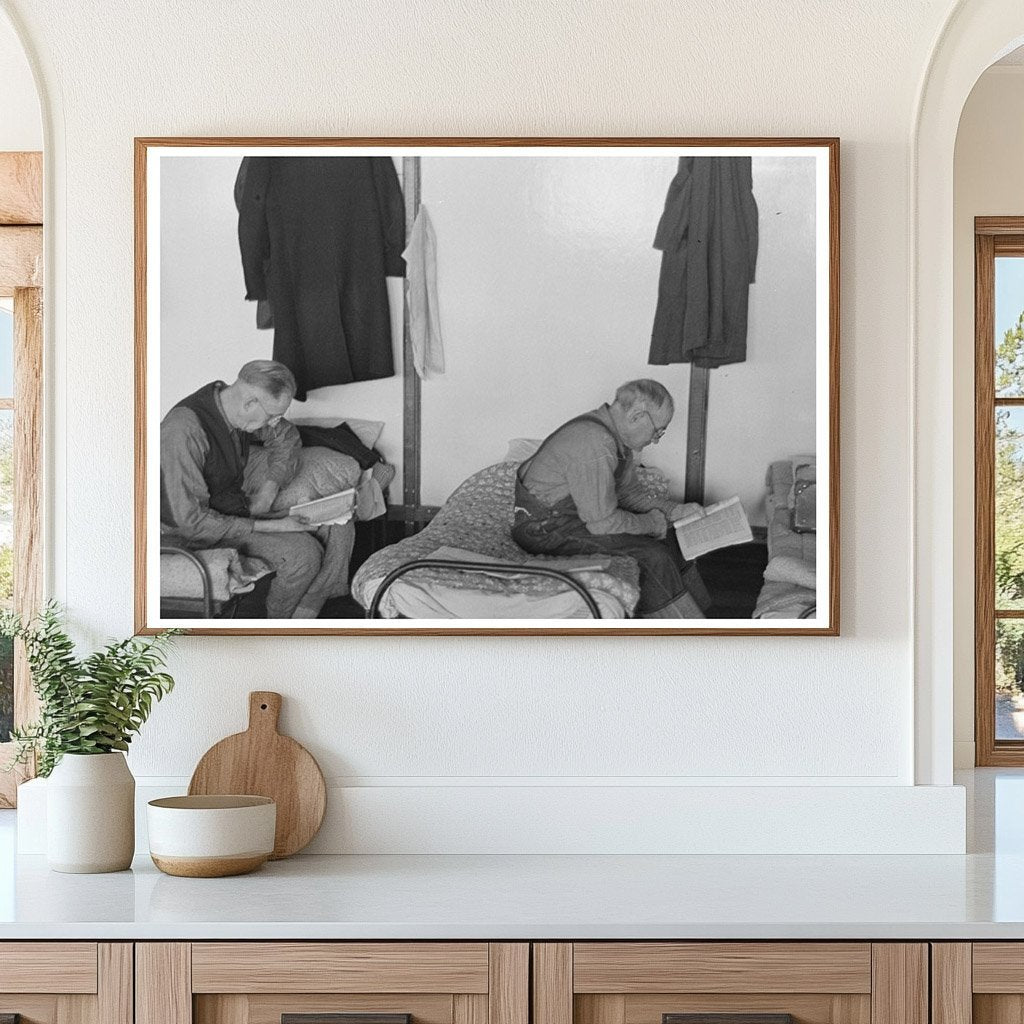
21 278
993 237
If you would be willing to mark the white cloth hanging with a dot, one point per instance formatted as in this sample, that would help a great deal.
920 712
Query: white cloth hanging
421 294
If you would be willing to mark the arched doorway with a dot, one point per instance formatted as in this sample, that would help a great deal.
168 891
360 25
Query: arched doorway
976 34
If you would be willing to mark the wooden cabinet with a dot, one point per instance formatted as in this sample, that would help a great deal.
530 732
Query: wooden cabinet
814 982
66 982
261 982
979 982
499 983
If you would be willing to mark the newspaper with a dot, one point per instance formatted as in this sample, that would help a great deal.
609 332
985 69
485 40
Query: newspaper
716 526
334 508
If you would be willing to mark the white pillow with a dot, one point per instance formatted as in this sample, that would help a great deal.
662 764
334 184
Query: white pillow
520 449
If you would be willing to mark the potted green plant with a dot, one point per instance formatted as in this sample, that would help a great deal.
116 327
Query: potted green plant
90 708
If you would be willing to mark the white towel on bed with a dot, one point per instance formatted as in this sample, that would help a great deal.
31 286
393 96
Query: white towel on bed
786 569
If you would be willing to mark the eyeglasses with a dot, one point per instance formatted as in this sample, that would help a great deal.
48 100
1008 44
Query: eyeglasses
272 418
659 432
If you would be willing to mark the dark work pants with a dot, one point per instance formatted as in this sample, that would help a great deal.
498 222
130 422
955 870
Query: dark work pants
560 533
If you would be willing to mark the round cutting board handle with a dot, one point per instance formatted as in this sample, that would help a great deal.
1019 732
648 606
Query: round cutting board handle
264 709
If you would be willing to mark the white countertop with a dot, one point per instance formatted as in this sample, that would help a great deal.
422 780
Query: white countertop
977 896
517 897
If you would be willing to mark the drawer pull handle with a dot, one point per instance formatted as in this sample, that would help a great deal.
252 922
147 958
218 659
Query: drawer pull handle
341 1018
727 1018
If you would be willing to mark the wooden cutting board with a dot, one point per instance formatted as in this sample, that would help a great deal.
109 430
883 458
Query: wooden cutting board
262 762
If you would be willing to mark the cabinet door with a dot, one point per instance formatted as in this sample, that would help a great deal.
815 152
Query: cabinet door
981 982
66 982
332 983
730 983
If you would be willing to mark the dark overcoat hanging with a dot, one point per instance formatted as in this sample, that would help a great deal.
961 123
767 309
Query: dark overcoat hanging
708 234
318 236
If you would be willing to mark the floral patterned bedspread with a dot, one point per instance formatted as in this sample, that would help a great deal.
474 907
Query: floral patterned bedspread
478 517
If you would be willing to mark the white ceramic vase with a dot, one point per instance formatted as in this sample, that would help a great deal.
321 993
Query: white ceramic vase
90 814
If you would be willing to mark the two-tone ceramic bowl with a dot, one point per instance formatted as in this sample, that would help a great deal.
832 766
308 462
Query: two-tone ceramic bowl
211 836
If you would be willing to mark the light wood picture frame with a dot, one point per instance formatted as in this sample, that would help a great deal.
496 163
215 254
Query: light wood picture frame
533 260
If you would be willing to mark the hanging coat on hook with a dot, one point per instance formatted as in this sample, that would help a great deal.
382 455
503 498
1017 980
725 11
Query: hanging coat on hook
708 234
318 237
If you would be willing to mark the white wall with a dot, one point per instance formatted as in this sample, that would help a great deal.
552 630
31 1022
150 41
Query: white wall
21 127
207 328
450 711
548 282
987 181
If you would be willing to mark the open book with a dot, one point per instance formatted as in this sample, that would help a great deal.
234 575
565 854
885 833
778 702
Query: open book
334 508
714 527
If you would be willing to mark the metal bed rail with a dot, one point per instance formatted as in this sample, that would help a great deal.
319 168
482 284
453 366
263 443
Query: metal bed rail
204 572
501 568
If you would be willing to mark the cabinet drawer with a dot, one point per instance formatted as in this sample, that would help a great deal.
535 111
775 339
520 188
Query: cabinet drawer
634 967
64 967
332 983
730 983
340 967
998 967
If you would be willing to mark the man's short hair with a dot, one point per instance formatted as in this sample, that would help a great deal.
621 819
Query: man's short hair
273 377
650 391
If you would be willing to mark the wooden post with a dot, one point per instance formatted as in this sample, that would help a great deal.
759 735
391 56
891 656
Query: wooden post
951 983
411 393
163 983
899 983
508 990
696 433
552 983
114 983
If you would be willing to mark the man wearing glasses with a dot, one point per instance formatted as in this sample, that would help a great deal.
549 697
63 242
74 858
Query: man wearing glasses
230 468
580 494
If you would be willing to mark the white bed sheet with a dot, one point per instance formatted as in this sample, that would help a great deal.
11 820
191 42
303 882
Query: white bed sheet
433 601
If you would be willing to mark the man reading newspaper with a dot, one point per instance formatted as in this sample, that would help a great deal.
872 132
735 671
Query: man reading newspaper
233 470
579 494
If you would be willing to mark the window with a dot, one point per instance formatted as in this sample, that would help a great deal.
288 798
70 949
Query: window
999 490
20 499
21 364
6 510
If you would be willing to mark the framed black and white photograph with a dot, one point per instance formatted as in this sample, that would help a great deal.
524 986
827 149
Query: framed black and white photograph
445 386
